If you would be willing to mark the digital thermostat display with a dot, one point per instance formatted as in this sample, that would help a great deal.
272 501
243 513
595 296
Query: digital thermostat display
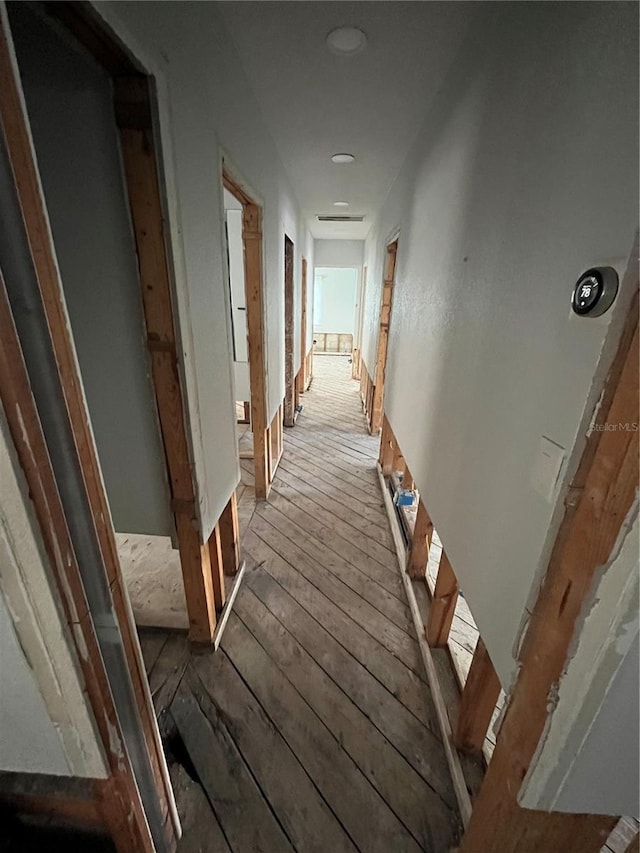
595 292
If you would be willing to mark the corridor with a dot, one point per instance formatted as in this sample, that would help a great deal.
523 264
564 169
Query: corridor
312 728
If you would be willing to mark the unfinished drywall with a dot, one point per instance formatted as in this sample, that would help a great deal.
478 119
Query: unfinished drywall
334 305
46 725
199 124
71 115
339 253
29 741
524 175
587 760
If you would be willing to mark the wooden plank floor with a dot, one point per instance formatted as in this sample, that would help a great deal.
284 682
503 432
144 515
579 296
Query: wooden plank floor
311 728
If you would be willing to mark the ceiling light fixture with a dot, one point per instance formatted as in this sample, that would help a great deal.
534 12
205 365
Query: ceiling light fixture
346 41
343 158
341 204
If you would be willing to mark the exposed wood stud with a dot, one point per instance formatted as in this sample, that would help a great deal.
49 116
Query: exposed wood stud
230 536
146 212
376 405
217 569
419 553
478 702
198 585
443 604
387 447
254 301
606 484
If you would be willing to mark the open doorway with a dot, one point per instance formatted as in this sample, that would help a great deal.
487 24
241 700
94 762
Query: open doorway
290 408
237 301
69 100
372 391
335 295
244 236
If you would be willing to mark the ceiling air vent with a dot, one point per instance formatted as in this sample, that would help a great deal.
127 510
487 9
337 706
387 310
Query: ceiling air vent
331 217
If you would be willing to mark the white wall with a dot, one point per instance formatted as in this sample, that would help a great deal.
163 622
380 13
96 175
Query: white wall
235 255
70 109
46 725
207 110
524 175
335 291
339 253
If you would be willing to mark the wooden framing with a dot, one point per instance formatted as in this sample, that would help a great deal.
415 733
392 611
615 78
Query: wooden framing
275 442
387 448
479 698
26 431
386 306
443 605
599 498
333 342
133 114
230 536
289 324
254 300
357 349
419 551
122 807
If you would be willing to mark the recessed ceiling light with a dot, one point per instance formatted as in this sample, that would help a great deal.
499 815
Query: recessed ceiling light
346 41
343 158
341 204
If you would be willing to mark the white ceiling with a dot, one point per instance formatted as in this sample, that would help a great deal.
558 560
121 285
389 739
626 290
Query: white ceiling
317 104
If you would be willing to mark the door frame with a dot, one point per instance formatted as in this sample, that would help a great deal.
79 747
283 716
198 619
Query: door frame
301 376
289 326
254 302
119 799
382 349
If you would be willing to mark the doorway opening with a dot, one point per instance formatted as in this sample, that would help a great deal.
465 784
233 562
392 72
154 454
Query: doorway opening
239 330
290 403
372 390
335 293
245 268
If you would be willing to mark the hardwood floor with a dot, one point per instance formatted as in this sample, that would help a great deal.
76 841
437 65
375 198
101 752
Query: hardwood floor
311 728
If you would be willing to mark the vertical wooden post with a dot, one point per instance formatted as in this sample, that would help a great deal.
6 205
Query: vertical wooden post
217 568
247 411
136 137
229 536
603 490
443 605
419 553
386 448
383 338
252 239
478 702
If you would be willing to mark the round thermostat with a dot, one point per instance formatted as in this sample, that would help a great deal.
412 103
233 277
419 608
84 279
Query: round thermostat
595 292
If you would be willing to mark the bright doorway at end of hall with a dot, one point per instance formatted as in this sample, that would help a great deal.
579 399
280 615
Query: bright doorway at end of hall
335 301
